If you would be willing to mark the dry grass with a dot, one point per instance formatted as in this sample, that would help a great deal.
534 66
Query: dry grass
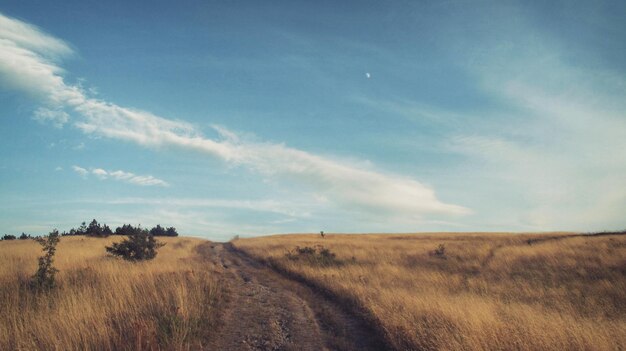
103 303
489 291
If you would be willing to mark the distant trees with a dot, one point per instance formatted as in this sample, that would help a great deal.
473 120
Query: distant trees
171 231
24 236
157 231
127 229
95 229
161 231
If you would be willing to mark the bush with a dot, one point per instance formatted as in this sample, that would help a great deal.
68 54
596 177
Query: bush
439 252
139 246
317 255
24 236
44 277
8 237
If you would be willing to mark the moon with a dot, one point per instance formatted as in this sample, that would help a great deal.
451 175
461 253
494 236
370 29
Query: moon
368 75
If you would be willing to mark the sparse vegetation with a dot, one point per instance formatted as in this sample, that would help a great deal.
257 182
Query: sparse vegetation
139 246
493 291
44 277
440 251
316 255
100 303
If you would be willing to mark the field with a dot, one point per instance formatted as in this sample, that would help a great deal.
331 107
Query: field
103 303
439 291
476 292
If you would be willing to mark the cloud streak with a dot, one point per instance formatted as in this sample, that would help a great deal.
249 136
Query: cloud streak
556 146
119 175
27 63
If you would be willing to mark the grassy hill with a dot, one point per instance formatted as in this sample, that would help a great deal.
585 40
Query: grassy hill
439 291
105 303
475 292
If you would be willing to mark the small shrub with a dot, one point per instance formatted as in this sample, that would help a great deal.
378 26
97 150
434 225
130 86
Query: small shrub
8 237
439 252
317 255
44 277
139 246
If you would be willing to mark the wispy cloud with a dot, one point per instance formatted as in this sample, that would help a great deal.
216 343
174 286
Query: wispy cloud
27 68
80 170
120 176
55 117
557 143
291 209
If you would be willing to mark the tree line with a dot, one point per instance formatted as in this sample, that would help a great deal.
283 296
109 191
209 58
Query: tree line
24 236
95 229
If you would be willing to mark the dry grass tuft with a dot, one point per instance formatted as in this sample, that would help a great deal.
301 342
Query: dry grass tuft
104 303
483 291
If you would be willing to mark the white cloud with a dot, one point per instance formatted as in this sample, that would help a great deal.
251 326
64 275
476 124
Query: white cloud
100 173
559 144
55 117
291 209
121 176
30 37
81 171
343 183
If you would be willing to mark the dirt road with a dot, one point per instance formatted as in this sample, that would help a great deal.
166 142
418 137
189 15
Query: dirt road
267 311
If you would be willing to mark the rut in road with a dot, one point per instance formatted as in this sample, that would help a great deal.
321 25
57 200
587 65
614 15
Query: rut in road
264 310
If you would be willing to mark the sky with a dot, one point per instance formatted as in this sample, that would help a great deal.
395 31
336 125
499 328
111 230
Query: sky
226 118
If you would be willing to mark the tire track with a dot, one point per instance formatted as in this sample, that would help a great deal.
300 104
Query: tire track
265 310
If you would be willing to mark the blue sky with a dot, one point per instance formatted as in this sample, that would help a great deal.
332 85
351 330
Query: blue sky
249 118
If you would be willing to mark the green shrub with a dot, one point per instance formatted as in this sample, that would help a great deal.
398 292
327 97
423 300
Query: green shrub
317 255
139 246
44 277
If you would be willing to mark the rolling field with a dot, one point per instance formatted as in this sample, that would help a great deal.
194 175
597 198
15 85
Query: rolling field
103 303
477 292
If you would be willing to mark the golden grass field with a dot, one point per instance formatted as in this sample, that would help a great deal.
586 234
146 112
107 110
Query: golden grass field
104 303
488 292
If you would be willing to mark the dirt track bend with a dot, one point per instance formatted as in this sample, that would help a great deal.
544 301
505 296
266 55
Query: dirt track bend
265 311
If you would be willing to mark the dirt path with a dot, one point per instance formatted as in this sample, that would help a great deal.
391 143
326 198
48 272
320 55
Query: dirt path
266 311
